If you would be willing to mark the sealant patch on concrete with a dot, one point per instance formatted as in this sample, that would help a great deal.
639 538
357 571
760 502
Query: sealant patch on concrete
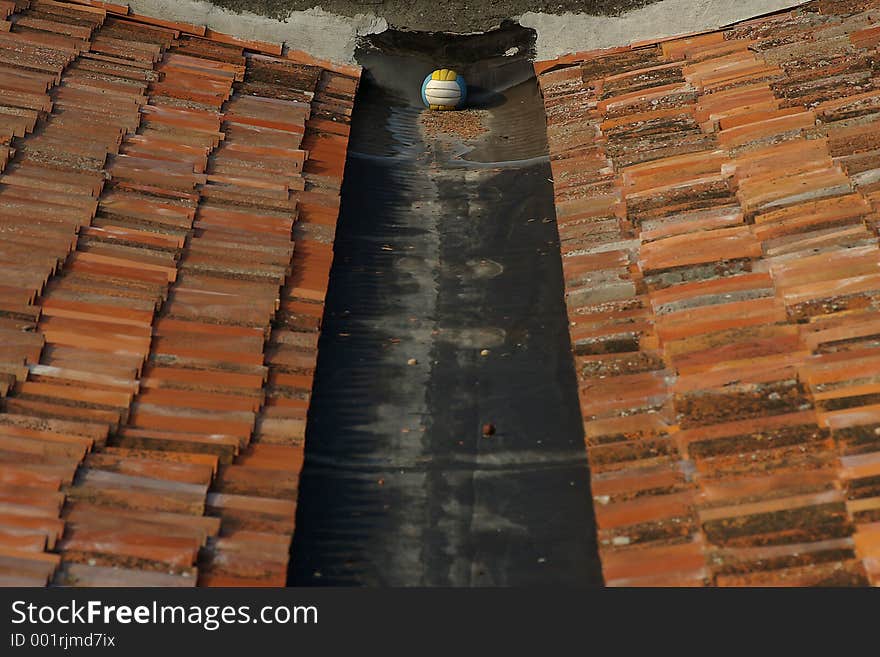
320 33
568 33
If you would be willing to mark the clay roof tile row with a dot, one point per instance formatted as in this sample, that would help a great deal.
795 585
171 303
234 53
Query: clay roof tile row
716 207
157 357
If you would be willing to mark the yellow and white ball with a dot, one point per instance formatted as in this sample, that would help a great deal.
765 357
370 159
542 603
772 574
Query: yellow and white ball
444 89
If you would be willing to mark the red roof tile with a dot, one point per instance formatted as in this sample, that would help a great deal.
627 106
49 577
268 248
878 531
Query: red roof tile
156 361
721 261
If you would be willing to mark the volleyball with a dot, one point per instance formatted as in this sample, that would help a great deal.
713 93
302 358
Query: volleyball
444 89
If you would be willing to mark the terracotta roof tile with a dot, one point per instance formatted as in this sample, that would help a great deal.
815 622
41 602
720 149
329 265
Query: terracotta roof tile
720 257
160 164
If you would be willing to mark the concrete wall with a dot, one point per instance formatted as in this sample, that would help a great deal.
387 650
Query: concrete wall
334 36
316 31
567 33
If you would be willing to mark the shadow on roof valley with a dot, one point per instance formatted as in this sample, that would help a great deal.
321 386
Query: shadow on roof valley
445 312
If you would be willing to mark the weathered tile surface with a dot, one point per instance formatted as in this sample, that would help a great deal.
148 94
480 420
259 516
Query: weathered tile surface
168 200
717 208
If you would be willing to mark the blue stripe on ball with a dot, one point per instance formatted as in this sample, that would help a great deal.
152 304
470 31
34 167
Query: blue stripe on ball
424 89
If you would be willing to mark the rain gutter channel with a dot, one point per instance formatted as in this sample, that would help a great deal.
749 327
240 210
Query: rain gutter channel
445 312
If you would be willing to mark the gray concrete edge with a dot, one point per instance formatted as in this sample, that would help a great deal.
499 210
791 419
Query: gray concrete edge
329 36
